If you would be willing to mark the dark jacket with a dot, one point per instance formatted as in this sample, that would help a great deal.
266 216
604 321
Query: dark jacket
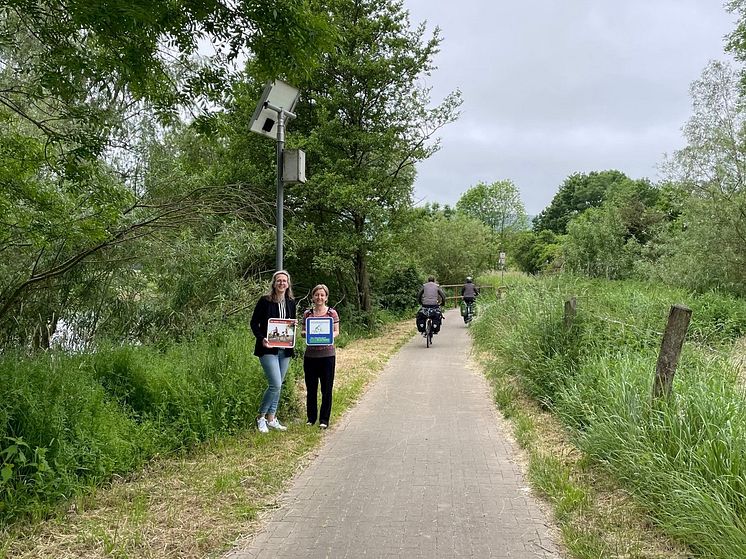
264 310
469 291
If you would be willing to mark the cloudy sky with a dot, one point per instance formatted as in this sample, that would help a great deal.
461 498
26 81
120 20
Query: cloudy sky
554 87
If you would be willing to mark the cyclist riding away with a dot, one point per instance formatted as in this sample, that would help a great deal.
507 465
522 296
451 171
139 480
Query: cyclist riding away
469 293
431 296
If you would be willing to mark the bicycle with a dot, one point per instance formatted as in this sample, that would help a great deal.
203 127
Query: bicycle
428 332
429 329
468 310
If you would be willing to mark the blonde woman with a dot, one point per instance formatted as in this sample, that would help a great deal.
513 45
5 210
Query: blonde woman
319 361
278 302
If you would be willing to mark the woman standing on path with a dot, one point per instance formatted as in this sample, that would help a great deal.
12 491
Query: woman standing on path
319 361
277 303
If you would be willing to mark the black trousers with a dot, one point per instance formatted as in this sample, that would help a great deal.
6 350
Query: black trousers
319 370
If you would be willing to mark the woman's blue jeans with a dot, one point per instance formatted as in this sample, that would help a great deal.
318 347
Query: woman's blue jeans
275 367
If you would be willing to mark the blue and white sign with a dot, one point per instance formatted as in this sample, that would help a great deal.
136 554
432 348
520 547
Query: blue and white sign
319 330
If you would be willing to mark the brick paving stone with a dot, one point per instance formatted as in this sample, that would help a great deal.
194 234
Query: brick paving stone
419 468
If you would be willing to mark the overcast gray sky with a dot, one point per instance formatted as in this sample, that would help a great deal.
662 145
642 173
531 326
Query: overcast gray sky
554 87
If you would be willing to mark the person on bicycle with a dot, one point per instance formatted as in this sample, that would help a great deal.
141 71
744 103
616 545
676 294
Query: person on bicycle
469 292
431 296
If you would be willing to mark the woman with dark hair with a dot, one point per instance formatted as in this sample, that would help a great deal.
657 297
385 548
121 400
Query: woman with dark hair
278 302
319 361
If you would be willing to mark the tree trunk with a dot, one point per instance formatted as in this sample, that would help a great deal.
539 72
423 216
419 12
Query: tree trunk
43 332
363 280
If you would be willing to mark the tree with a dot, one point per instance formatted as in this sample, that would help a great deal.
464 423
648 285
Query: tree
705 247
497 205
536 252
608 240
364 121
577 193
451 248
80 85
71 70
595 245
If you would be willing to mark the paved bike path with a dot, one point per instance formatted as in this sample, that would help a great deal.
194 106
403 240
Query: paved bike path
419 468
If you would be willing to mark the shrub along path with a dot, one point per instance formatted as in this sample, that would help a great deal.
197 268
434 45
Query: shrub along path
419 468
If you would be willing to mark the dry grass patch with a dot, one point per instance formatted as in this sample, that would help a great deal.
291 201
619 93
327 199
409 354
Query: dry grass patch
198 506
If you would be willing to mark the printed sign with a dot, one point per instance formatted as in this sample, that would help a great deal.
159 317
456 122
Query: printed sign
319 330
281 332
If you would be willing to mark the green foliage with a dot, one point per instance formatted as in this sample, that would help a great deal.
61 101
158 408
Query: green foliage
450 248
69 422
579 192
682 458
595 245
399 290
704 248
535 252
607 241
66 422
497 205
84 89
689 230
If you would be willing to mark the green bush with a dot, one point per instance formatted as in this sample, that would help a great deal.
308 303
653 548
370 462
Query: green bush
400 290
72 421
60 431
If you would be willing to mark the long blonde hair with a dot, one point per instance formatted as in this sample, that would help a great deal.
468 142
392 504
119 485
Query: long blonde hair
272 293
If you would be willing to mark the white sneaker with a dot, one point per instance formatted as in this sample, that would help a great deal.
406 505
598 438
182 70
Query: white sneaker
261 423
274 424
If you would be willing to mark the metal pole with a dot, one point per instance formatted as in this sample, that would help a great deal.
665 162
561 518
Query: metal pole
280 202
282 114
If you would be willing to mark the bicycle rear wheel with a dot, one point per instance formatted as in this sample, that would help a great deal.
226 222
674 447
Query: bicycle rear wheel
428 332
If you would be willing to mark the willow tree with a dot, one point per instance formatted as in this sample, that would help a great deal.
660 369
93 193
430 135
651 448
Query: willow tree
364 121
77 81
706 245
497 205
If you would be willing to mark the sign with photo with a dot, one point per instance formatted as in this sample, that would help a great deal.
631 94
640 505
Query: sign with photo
319 330
281 332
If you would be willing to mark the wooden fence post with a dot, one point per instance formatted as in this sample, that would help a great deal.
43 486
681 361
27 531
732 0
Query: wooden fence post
570 308
673 341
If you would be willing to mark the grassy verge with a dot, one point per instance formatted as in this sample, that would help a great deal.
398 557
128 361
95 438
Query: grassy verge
200 504
627 477
596 518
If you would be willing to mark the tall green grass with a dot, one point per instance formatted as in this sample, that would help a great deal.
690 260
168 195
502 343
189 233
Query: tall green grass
684 458
72 421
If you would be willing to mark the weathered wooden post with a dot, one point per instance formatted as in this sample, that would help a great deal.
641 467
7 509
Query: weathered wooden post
668 358
570 309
